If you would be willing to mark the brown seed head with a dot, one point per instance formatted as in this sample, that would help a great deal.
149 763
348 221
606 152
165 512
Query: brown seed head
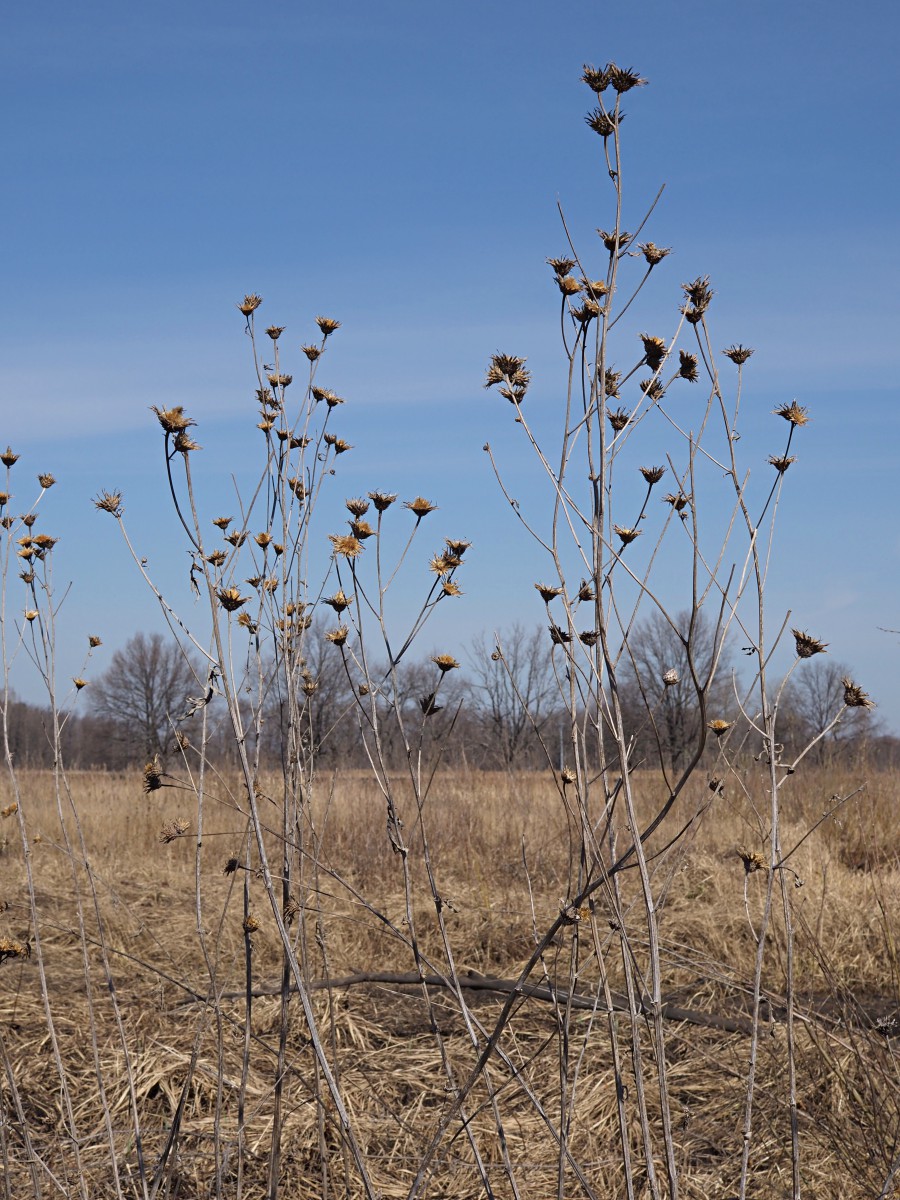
623 79
445 662
420 506
8 458
250 304
589 637
231 599
338 636
559 636
46 481
688 369
263 540
586 591
653 388
298 487
153 776
807 645
247 622
429 706
94 641
781 464
752 860
613 241
679 502
361 529
652 253
653 474
597 78
619 418
172 420
561 266
596 289
655 351
382 500
174 829
604 123
9 810
312 352
31 613
327 325
627 535
450 588
699 292
337 444
548 593
719 727
567 776
738 354
567 285
793 412
278 380
185 443
110 502
854 696
357 506
670 678
275 332
236 538
339 601
586 312
222 522
231 866
345 545
457 548
250 924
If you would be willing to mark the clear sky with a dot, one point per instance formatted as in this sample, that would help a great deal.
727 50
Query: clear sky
398 166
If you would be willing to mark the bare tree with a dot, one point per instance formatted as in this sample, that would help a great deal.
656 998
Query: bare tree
811 700
513 692
145 689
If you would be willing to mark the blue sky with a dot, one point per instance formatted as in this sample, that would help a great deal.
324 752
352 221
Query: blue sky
398 166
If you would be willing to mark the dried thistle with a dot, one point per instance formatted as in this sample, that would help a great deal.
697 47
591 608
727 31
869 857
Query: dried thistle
338 637
611 381
357 506
457 548
854 696
338 444
671 677
752 860
94 641
614 241
509 371
567 776
450 588
688 369
345 545
231 866
653 388
624 79
278 380
678 501
338 601
290 911
807 645
382 500
719 727
548 593
79 683
8 458
231 599
561 266
653 474
558 636
652 253
782 463
174 829
429 705
5 498
9 810
222 522
738 354
361 529
589 637
172 420
699 292
275 332
655 351
298 487
595 289
627 535
586 312
185 443
445 662
619 418
604 123
312 352
332 399
110 502
597 78
586 591
441 564
245 620
716 785
568 286
420 506
46 481
263 540
250 304
793 412
217 558
11 948
327 325
153 776
250 924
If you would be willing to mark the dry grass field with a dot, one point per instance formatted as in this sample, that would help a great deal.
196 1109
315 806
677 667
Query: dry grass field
166 1031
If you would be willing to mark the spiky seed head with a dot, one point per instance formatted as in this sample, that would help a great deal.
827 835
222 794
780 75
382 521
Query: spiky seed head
450 588
247 622
9 810
547 592
653 388
110 502
445 662
236 538
173 420
231 866
619 418
782 463
327 325
263 540
567 776
44 542
339 601
440 564
250 304
429 705
332 399
699 292
222 522
716 785
420 506
357 506
596 289
688 369
597 78
275 332
738 354
382 500
670 678
586 312
31 613
457 548
312 352
217 558
94 641
653 474
586 591
807 645
46 481
5 498
231 599
627 535
567 285
561 266
854 696
623 79
589 637
793 412
604 123
174 829
678 501
298 487
559 636
611 381
337 444
719 727
613 241
265 426
752 860
652 253
250 924
8 458
655 351
153 778
337 637
28 519
185 443
345 545
278 380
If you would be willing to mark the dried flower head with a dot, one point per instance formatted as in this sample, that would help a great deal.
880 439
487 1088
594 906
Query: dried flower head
561 266
382 500
586 591
619 418
312 352
357 506
445 662
31 613
110 502
174 829
699 292
589 637
854 696
752 860
263 540
429 705
247 622
457 548
420 506
604 123
586 312
361 529
623 79
738 354
250 304
327 325
236 538
275 332
655 351
337 444
450 588
653 474
595 289
614 241
222 522
94 641
217 558
250 924
652 253
567 776
653 388
807 645
153 776
298 487
670 678
627 535
172 420
278 380
441 565
231 599
548 593
8 458
337 636
12 948
338 601
9 810
231 866
678 501
597 78
716 785
559 636
46 481
793 412
345 545
5 498
782 463
43 541
508 371
688 369
719 727
332 399
567 285
79 683
185 443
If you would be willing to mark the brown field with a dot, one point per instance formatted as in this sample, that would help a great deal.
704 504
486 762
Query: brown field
172 1023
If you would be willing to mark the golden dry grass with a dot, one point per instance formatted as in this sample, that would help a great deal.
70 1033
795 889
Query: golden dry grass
500 847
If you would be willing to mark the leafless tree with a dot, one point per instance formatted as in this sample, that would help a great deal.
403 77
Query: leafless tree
813 697
145 689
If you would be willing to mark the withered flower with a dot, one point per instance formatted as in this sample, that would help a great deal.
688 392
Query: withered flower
250 924
338 444
278 380
655 351
250 304
619 418
586 312
562 266
337 636
738 354
624 79
153 776
231 866
589 637
31 613
440 564
547 593
807 645
382 500
781 464
793 412
298 487
678 501
275 332
172 420
613 241
312 352
345 545
357 506
185 443
174 829
854 696
752 860
450 588
46 481
8 458
338 601
457 548
719 727
247 622
652 253
688 369
420 506
265 426
586 591
653 474
716 785
429 705
627 535
597 78
508 370
361 529
611 381
445 662
236 538
604 123
265 398
5 498
12 948
44 542
231 599
699 292
330 398
653 388
217 558
567 285
327 325
596 289
110 502
670 677
10 809
94 641
263 540
222 522
559 636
